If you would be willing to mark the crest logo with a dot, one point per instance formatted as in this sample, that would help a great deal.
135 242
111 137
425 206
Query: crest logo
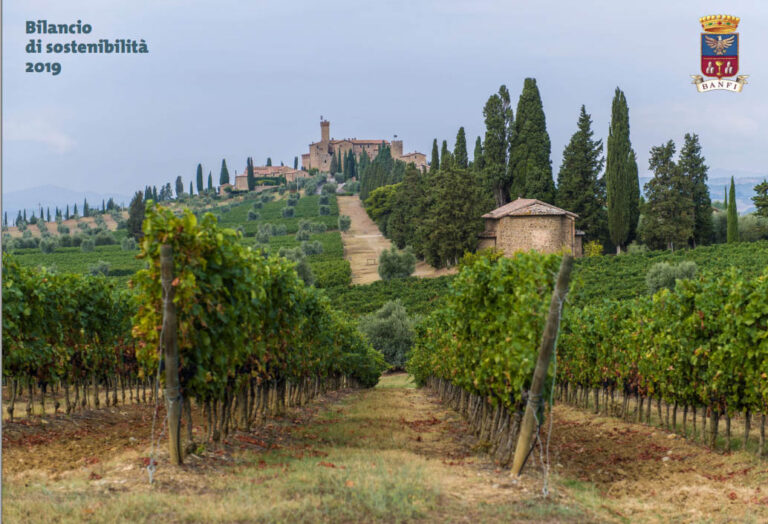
719 45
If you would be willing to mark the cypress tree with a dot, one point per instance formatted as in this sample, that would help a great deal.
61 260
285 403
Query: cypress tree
733 215
269 161
154 193
668 218
210 181
498 118
578 187
530 166
434 165
191 190
179 187
136 215
692 165
5 219
478 163
74 212
460 151
334 165
199 178
224 175
445 155
250 177
66 215
622 186
295 163
48 215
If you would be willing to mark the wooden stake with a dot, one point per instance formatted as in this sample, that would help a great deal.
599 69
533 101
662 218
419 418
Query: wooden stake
171 353
542 364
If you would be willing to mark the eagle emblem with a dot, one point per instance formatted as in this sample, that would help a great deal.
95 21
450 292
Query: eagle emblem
719 45
719 55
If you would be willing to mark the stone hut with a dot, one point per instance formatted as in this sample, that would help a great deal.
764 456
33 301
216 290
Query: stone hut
528 224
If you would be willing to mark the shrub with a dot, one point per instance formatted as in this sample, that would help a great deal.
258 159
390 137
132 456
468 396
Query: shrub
83 226
312 248
664 275
267 198
87 245
330 188
128 244
62 229
253 215
42 227
104 238
593 249
352 187
279 229
288 212
324 200
325 211
390 331
262 238
394 264
258 204
310 187
339 177
344 222
292 202
319 227
99 268
635 249
302 235
281 190
302 266
305 225
753 227
47 245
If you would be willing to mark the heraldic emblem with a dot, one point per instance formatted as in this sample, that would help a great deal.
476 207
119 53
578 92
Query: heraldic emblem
719 55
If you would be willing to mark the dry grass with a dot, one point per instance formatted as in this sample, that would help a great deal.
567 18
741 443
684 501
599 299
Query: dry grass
363 244
388 454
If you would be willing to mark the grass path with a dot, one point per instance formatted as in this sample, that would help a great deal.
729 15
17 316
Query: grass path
363 244
387 454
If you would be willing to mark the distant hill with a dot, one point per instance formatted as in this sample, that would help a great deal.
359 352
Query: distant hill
50 196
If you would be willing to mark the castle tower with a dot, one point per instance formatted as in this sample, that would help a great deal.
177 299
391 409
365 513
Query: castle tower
397 149
325 131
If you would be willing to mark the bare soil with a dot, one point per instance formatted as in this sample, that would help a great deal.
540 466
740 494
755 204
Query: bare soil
363 244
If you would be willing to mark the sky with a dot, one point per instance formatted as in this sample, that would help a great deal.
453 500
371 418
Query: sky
232 79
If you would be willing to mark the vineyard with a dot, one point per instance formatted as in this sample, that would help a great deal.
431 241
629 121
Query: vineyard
700 348
251 333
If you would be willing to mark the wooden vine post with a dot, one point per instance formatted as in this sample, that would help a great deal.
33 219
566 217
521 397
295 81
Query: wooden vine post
542 365
171 354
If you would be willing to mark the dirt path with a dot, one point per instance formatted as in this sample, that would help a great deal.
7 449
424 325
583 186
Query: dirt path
363 244
391 453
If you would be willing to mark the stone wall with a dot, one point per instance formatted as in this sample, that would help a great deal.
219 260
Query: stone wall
543 233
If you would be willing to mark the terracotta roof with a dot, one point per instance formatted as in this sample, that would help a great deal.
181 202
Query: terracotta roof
525 207
414 153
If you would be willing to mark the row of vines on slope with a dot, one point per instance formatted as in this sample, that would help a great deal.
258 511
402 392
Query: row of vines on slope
66 331
247 324
703 345
252 335
479 349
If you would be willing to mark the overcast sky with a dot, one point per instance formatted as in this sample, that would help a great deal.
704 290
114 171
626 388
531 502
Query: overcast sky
231 79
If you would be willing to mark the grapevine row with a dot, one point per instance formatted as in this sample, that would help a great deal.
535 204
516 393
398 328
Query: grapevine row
703 345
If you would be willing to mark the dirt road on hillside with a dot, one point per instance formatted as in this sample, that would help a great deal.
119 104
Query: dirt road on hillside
363 244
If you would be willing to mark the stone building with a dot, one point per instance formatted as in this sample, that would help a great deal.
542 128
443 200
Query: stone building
321 153
527 224
290 174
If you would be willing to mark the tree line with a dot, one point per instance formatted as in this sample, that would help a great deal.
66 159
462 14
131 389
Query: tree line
438 211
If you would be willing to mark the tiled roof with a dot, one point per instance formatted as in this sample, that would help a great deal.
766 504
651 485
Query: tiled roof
525 207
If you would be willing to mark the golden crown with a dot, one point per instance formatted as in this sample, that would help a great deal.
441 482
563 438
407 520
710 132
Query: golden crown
719 23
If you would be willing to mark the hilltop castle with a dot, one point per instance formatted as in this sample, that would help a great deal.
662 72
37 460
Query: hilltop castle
320 153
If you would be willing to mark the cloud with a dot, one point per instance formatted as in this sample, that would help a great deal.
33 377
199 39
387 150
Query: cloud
38 130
